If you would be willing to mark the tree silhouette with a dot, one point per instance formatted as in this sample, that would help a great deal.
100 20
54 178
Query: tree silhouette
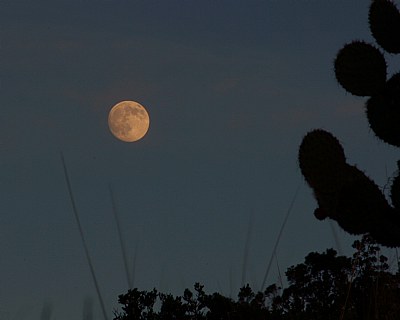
325 286
137 305
343 192
316 287
375 291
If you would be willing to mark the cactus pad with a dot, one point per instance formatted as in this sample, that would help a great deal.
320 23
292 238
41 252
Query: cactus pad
383 112
395 191
343 192
384 23
320 150
360 68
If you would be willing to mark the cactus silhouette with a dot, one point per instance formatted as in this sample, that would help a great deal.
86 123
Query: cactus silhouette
343 192
384 23
383 112
360 68
395 189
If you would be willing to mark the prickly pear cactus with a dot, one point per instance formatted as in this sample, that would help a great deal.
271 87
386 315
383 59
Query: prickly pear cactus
383 112
384 23
360 68
322 162
343 192
395 189
360 202
321 158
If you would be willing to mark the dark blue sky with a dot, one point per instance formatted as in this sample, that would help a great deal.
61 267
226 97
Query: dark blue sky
231 88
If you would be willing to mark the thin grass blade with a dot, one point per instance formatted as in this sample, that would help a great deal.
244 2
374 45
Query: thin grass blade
78 222
279 237
246 249
121 239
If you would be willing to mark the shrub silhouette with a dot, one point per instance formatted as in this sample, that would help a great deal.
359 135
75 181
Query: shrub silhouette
325 286
343 192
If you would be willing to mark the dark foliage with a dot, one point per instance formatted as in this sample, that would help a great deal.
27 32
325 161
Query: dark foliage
325 286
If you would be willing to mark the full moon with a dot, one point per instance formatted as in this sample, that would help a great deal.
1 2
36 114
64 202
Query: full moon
128 121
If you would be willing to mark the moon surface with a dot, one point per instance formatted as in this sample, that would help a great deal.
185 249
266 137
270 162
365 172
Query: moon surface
128 121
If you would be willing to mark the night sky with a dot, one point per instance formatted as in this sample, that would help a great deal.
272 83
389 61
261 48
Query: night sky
231 88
